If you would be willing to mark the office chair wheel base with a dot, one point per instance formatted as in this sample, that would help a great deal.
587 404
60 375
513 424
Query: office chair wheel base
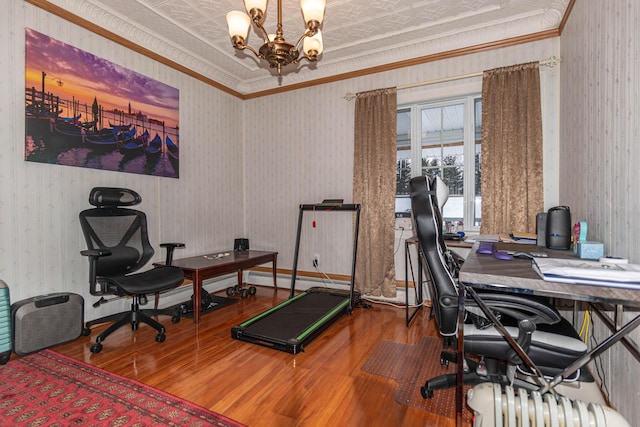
86 332
426 394
96 348
161 337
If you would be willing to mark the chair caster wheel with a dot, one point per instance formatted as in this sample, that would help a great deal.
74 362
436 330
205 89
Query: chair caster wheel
175 319
86 332
230 291
96 348
252 290
444 362
426 394
161 337
244 293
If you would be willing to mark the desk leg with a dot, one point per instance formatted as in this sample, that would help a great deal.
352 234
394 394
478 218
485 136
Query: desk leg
460 358
197 296
275 269
406 282
417 285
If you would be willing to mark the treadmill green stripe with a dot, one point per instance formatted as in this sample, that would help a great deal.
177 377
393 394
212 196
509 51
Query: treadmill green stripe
271 310
323 319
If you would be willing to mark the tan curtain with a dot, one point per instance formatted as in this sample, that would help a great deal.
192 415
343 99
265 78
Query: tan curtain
512 191
374 187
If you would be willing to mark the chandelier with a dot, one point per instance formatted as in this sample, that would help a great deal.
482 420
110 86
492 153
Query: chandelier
276 50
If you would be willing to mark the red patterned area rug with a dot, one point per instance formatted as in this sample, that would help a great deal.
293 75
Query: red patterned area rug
50 389
411 366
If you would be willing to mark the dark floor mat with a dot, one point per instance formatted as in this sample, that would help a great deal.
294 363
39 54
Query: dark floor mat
216 302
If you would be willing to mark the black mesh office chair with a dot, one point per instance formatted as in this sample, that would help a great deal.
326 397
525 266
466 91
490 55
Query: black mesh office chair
547 338
118 246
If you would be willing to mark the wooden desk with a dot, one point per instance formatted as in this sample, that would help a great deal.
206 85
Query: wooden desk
202 267
486 272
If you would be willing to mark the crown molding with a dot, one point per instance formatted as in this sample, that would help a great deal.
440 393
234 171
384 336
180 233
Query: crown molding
442 47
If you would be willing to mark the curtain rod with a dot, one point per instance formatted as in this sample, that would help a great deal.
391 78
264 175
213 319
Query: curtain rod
551 62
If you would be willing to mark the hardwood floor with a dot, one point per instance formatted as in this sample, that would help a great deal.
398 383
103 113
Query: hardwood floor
258 386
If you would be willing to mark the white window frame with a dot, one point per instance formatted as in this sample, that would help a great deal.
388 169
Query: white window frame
468 150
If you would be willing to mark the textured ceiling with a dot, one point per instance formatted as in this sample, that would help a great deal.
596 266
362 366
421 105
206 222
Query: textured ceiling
357 34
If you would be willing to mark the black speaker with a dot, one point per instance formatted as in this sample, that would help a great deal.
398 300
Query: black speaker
558 230
241 245
541 227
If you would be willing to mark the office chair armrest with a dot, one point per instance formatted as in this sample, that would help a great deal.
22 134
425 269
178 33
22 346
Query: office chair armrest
525 329
519 307
93 255
170 247
95 252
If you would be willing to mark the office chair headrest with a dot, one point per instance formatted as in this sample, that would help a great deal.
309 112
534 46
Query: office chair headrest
110 197
442 191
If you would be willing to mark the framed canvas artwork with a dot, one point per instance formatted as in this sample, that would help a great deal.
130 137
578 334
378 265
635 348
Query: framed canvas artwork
85 111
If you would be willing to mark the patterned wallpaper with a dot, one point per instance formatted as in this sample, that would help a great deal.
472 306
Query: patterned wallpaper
600 128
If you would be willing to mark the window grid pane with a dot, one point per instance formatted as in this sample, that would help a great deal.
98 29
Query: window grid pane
443 129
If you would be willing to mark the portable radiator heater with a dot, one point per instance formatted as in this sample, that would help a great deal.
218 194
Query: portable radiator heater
493 406
5 324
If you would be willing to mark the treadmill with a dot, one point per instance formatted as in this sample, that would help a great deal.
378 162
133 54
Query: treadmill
292 324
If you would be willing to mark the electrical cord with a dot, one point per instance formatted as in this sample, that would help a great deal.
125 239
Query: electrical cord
597 362
368 299
584 329
393 304
324 275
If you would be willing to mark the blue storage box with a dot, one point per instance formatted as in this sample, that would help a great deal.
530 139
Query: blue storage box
590 250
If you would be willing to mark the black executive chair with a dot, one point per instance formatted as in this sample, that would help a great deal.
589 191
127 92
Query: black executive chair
548 339
118 246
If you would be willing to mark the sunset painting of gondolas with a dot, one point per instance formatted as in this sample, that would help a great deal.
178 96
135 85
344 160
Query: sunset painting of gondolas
85 111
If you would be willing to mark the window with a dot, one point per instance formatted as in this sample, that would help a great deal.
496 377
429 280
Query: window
443 138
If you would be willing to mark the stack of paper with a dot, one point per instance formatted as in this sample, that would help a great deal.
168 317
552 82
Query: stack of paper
588 272
528 238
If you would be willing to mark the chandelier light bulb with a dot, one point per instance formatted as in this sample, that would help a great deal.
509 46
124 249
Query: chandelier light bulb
312 46
312 10
261 5
239 23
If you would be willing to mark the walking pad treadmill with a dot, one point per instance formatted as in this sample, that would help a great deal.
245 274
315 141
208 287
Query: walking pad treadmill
292 324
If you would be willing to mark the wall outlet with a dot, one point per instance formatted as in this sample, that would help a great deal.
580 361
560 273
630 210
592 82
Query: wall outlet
404 224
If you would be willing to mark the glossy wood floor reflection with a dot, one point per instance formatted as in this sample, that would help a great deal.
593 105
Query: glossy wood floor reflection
259 386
